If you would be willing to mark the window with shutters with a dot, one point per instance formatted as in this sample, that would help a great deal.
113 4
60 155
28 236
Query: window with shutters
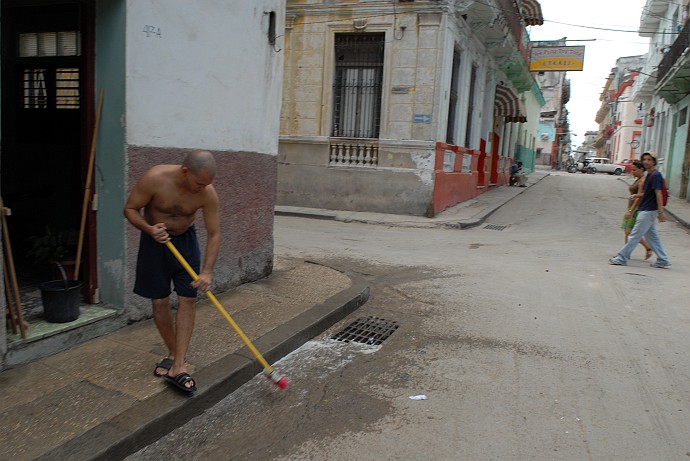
357 85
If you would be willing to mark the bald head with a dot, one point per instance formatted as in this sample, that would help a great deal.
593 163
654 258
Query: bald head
200 161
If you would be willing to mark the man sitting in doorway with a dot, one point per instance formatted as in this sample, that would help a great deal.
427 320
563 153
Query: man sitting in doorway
517 176
514 170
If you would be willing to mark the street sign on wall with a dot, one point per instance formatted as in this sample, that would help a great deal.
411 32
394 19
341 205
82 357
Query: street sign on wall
556 58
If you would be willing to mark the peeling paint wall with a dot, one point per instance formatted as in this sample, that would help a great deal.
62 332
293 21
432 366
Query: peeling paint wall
246 186
424 167
402 180
402 183
193 75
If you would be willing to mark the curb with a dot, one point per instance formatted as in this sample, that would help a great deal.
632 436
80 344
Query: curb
429 224
682 221
149 420
306 214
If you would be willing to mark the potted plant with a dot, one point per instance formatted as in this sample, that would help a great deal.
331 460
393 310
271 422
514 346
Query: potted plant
55 246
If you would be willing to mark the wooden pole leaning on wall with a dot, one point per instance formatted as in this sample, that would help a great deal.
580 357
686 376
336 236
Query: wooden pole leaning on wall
11 312
87 186
17 305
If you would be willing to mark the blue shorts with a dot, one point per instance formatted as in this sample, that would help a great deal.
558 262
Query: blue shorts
157 266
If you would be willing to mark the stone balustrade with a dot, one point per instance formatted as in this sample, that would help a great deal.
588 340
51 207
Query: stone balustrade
354 154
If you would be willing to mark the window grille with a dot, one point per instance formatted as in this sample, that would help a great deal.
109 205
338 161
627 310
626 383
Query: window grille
357 85
43 87
67 88
35 91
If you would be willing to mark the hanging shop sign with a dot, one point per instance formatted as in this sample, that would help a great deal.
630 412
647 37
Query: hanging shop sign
556 58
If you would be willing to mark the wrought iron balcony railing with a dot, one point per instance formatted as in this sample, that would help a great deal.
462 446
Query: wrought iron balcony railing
679 46
511 14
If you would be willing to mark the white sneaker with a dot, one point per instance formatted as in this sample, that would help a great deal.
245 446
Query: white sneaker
660 265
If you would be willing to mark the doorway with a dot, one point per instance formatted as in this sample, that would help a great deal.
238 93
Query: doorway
685 172
493 159
45 139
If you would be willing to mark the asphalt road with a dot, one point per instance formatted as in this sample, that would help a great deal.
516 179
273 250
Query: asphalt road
525 342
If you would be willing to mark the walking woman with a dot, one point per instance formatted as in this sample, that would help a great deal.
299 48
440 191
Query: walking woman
637 171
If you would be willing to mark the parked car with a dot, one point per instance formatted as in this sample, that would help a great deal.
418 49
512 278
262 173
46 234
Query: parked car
627 164
601 165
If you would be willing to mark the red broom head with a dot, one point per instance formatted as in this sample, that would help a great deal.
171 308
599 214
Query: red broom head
278 380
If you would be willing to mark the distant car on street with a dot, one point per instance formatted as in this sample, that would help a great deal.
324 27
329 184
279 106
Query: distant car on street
627 164
601 165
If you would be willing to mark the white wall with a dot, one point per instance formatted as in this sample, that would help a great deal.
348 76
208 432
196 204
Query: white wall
531 126
196 79
623 136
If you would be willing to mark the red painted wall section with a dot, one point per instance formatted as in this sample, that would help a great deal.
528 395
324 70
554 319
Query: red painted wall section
453 187
628 83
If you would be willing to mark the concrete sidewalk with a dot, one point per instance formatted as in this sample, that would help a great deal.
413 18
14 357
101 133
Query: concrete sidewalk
100 400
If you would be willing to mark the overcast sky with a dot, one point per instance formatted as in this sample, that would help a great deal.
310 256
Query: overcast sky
583 20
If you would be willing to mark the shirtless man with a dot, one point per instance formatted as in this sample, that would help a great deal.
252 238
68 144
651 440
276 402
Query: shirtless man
170 196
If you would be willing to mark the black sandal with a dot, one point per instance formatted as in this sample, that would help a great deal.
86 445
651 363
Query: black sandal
181 380
165 364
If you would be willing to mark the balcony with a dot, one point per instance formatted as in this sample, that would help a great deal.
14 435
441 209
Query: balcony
602 113
652 15
673 77
499 24
565 93
644 83
599 142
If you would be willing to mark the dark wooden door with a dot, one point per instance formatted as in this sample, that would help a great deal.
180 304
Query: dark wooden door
43 93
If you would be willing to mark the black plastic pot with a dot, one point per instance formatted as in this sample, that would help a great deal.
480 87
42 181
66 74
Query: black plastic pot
61 299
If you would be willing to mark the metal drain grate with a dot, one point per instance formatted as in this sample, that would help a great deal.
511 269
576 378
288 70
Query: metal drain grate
367 330
495 227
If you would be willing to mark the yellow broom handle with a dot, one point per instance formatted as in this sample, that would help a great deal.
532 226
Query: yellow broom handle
209 295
